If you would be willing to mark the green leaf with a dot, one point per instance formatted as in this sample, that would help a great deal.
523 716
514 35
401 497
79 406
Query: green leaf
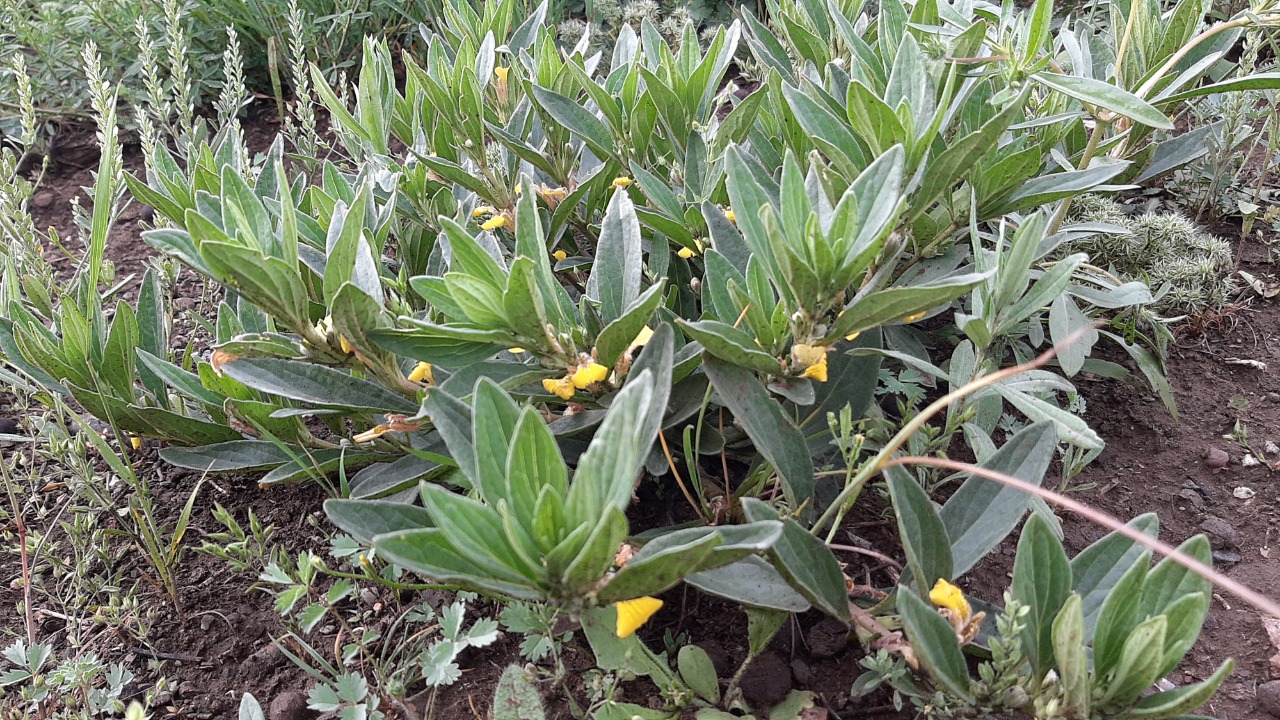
774 434
1069 638
731 345
1134 672
1055 186
615 274
616 336
1118 616
428 553
516 697
1105 95
1042 582
698 672
753 582
576 118
806 563
895 304
451 346
1179 701
363 519
1098 568
607 471
662 562
983 512
475 530
1256 81
316 384
923 535
934 642
236 455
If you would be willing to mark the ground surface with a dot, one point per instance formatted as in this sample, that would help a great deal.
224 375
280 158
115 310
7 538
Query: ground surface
223 647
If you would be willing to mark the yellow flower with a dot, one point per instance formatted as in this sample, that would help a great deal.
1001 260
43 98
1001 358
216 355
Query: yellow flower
589 374
519 188
816 371
806 355
559 255
494 223
346 346
620 182
552 196
685 253
632 614
516 351
501 73
136 442
948 596
852 336
483 210
422 372
560 387
642 337
914 317
730 216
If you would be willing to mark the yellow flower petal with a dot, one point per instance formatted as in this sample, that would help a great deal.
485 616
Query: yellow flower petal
807 355
816 371
853 336
501 73
946 595
422 372
913 318
493 223
620 182
588 375
483 210
632 614
560 387
730 216
346 346
642 337
559 255
685 253
516 351
136 442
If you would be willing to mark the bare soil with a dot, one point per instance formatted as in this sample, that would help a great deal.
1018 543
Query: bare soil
226 644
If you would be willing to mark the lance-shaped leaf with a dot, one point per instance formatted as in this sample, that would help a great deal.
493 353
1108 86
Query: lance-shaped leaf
316 384
773 433
615 274
983 512
934 642
924 537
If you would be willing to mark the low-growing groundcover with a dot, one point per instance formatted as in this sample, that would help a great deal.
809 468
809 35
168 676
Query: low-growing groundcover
585 335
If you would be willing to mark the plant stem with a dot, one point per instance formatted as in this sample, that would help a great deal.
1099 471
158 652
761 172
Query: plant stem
1090 150
882 458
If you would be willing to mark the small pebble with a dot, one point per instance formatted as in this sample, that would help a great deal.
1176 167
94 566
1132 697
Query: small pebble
1216 458
1268 696
1273 397
1226 557
43 200
1271 448
1250 461
291 705
1243 492
1222 534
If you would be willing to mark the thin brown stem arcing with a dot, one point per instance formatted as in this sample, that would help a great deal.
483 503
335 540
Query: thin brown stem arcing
1254 598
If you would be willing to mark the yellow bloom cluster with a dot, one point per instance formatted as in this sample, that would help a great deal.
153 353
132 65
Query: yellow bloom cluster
581 378
813 358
